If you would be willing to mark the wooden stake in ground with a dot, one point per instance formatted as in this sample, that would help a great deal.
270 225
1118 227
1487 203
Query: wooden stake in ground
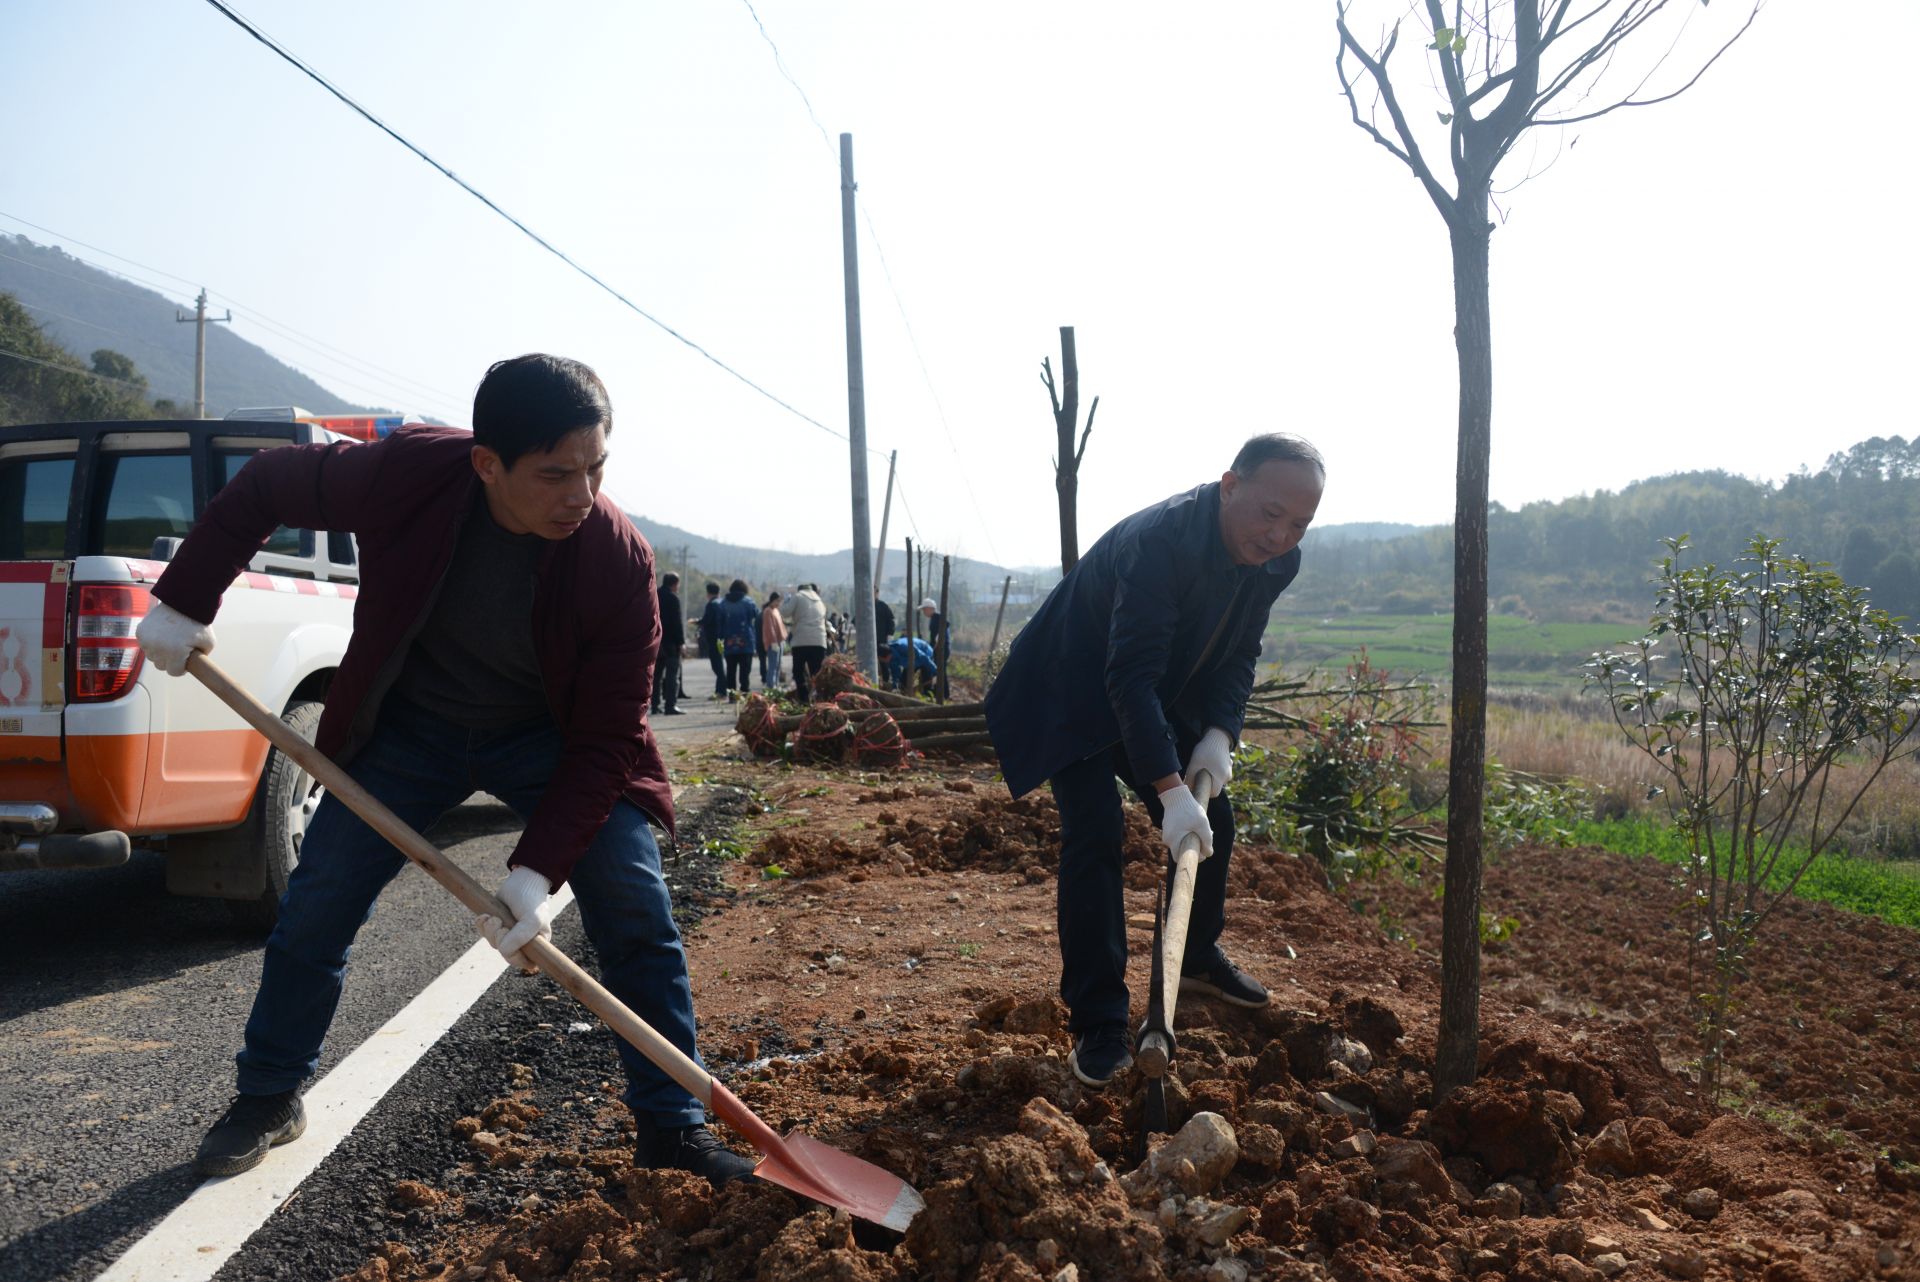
993 646
943 644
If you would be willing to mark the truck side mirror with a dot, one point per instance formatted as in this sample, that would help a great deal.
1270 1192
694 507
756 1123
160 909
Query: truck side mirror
163 548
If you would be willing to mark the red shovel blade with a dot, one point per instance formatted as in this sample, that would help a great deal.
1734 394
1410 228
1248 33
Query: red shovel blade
820 1171
825 1174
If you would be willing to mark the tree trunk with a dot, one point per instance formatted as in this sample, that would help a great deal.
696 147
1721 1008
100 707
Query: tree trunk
1456 1061
1066 473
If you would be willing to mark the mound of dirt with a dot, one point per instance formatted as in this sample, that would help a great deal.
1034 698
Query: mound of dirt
1313 1147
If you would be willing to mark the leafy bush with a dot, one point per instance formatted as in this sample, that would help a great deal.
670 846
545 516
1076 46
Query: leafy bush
1341 790
1522 807
1779 671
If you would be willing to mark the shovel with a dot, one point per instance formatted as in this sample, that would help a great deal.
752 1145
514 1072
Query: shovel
1154 1046
798 1162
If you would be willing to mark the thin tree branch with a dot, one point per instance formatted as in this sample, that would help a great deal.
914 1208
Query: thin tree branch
1085 432
1046 376
1410 155
1665 97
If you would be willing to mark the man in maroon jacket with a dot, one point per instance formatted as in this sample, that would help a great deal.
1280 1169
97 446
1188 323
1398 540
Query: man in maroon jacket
504 641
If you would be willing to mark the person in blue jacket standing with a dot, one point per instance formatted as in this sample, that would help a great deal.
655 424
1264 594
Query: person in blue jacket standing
739 629
1141 660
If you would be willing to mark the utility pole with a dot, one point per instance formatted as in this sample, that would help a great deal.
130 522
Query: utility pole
886 510
199 320
865 655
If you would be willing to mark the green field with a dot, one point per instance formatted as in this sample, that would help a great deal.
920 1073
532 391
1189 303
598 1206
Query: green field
1520 652
1890 891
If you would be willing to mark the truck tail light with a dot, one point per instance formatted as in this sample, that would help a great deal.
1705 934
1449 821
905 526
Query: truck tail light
106 658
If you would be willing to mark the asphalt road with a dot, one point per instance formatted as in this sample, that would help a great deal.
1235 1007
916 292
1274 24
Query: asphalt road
121 1008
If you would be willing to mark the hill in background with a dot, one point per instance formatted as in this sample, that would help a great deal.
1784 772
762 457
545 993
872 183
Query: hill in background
83 309
1590 557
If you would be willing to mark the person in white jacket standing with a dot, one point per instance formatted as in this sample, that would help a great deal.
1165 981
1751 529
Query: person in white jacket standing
807 629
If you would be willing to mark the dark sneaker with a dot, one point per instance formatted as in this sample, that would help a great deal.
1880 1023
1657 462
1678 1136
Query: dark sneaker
674 712
251 1126
691 1148
1227 982
1101 1054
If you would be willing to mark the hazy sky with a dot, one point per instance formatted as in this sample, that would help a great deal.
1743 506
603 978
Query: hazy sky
1727 280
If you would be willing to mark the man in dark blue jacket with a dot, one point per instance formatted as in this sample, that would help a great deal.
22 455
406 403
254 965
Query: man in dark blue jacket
710 639
1141 659
673 635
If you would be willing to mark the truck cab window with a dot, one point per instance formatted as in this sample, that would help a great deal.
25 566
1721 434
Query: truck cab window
340 547
283 541
141 497
33 508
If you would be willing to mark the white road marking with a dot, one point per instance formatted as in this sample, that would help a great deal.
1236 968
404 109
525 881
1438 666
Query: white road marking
204 1231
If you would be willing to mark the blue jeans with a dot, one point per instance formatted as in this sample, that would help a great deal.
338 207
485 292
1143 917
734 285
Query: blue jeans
771 673
422 766
1090 910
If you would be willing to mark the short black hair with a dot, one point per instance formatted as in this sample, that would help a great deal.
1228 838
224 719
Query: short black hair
669 580
529 402
1276 447
738 585
713 589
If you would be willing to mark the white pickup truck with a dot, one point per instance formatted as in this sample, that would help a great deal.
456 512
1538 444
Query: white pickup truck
100 751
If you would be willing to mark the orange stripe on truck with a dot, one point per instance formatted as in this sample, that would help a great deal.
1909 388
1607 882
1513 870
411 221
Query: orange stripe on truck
153 783
28 747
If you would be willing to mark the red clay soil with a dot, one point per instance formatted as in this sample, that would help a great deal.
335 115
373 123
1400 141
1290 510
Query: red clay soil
910 954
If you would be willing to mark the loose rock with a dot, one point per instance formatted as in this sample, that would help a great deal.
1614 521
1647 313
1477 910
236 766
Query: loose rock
1206 1145
1701 1203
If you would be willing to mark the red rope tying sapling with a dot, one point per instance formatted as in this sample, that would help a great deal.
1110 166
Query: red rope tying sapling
823 734
837 676
759 724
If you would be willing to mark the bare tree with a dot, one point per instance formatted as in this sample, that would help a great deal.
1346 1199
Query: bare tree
1066 464
1504 67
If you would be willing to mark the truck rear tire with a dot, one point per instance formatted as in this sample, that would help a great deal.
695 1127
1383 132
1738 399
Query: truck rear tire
274 828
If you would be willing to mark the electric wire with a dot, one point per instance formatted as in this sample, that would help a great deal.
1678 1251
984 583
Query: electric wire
378 393
68 369
532 235
284 330
873 235
104 329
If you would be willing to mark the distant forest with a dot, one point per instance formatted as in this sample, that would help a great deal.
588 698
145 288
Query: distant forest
82 308
1589 558
42 382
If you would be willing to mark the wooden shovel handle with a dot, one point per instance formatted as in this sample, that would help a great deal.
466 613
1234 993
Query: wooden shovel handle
1173 934
476 898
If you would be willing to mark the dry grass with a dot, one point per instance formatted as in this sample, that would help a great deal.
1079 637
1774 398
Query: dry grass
1566 736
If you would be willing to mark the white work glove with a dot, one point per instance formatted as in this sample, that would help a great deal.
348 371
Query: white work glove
524 892
1183 814
170 638
1213 754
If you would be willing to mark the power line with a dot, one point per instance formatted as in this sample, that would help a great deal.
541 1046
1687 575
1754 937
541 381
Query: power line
873 235
284 330
378 393
104 329
781 63
900 486
69 369
532 235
